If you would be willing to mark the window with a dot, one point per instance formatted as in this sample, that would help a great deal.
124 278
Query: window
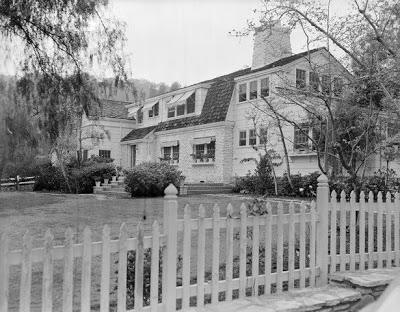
263 136
170 153
300 78
180 110
167 153
175 153
264 87
105 153
252 137
242 138
326 84
85 154
301 137
204 152
154 110
171 112
242 92
337 86
253 90
314 81
140 116
191 104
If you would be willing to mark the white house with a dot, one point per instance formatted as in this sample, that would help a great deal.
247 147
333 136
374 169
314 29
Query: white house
206 129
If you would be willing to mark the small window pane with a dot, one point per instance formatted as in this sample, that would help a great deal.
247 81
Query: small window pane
200 149
242 138
156 109
85 154
263 136
175 152
151 113
211 149
171 112
325 82
301 137
180 110
105 153
252 137
167 153
253 90
242 92
265 87
190 104
338 86
314 81
300 78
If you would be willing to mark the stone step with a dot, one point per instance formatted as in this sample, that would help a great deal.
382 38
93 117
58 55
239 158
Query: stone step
208 188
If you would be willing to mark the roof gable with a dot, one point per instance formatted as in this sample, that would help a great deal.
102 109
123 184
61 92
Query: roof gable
137 134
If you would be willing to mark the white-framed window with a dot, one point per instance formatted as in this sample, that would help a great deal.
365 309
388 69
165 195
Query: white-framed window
300 78
183 107
154 110
242 92
314 81
140 116
263 134
171 112
252 137
171 153
325 84
242 138
105 153
253 90
264 87
204 149
337 86
301 139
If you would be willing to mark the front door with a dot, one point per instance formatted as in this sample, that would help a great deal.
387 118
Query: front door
133 155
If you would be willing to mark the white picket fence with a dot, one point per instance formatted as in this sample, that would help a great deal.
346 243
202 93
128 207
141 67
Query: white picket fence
258 254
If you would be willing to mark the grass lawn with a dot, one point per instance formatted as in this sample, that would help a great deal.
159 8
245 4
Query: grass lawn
38 212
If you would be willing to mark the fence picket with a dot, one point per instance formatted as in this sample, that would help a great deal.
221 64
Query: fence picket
333 230
47 288
68 271
352 229
26 274
215 256
343 224
361 234
267 252
4 272
122 269
105 270
155 262
86 270
397 228
371 222
291 251
201 257
313 242
379 231
229 252
255 254
187 237
279 249
139 261
243 251
302 257
388 230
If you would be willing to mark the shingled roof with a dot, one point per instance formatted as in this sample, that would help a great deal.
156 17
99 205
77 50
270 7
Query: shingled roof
219 95
137 134
217 101
111 109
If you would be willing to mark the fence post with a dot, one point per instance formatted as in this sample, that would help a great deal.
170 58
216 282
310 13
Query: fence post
170 252
322 241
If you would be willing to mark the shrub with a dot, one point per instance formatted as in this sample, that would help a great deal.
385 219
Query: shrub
49 178
150 179
82 180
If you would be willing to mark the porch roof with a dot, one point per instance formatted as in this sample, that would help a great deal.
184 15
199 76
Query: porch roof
137 134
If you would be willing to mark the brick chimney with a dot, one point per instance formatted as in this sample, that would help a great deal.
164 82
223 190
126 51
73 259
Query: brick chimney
271 43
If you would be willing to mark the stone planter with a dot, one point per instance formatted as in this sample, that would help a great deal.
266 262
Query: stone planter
210 159
114 178
106 181
98 183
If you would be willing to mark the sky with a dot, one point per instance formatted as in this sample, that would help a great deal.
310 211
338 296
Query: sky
187 40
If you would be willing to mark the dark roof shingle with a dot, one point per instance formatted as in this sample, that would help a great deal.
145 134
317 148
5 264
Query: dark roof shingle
111 109
137 134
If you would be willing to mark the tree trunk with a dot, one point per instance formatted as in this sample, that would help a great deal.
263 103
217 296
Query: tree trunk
64 172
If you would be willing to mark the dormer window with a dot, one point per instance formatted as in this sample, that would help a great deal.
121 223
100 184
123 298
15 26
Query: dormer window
184 104
154 110
242 92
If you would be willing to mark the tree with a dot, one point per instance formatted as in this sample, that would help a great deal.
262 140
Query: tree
63 43
175 86
368 37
